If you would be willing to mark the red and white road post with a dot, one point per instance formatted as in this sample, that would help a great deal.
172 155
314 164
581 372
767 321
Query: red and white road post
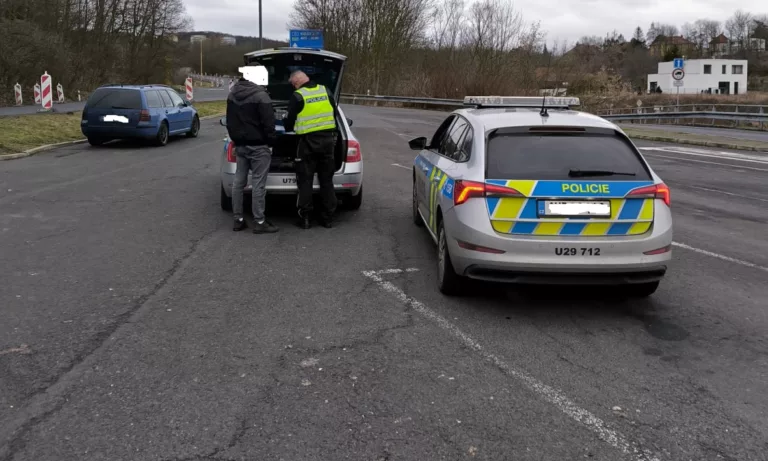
189 88
38 99
17 92
46 91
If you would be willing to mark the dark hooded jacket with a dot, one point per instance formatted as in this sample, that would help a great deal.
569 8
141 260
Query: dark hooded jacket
250 115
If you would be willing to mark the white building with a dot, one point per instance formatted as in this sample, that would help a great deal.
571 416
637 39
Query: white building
718 76
230 41
197 38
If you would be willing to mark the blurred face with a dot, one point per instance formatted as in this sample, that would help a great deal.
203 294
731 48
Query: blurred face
297 80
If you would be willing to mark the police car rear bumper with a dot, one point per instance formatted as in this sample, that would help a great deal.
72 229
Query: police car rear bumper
477 251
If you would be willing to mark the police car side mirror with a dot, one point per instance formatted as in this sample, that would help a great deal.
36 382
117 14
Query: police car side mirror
223 121
418 143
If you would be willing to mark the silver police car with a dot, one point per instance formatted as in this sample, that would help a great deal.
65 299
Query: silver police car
527 190
323 67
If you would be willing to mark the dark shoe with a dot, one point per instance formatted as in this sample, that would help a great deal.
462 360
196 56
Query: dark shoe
264 228
326 222
240 224
304 223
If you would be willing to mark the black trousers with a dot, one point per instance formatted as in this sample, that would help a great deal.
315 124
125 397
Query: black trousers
315 155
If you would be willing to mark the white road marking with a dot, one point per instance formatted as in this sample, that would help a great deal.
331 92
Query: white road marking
23 349
727 193
762 159
719 256
394 271
401 166
738 167
549 394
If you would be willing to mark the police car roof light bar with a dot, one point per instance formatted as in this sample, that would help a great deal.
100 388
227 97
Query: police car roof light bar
549 102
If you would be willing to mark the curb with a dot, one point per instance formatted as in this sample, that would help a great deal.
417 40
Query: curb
719 145
47 147
37 150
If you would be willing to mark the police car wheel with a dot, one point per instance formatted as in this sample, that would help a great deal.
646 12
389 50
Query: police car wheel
448 281
415 206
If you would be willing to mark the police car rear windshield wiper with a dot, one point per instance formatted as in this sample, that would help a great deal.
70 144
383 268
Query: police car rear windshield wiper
582 173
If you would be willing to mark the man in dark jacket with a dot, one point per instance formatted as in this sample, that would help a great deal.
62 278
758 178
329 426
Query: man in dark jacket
251 127
312 115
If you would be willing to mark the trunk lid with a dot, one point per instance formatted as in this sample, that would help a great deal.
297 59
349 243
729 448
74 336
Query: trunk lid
323 67
588 182
118 107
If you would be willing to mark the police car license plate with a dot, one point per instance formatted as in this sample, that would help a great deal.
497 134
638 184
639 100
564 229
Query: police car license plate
573 208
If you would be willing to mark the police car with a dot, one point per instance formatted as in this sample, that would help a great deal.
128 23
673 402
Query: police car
527 190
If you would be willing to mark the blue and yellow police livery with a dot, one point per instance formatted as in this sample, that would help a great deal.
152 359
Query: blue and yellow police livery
526 190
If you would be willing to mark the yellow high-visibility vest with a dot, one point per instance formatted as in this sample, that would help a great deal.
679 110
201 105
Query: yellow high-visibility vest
317 114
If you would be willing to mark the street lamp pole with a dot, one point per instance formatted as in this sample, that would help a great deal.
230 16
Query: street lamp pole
261 37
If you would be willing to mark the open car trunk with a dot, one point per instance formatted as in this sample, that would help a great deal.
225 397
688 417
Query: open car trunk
323 67
286 147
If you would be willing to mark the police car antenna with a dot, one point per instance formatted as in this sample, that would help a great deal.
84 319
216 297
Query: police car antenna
544 112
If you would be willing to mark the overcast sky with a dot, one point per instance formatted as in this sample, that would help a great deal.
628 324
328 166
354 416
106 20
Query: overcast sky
563 20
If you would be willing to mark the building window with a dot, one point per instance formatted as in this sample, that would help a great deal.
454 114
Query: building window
725 69
738 70
707 68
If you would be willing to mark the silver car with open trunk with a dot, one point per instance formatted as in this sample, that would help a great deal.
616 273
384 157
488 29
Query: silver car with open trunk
326 68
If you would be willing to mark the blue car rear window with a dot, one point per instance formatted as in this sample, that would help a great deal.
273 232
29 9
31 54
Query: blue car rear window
115 98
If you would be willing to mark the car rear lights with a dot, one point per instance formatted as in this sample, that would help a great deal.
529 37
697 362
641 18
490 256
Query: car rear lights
660 191
231 158
658 251
144 116
465 190
480 248
353 152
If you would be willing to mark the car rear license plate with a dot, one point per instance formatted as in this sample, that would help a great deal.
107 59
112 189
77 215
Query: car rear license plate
581 251
573 208
115 118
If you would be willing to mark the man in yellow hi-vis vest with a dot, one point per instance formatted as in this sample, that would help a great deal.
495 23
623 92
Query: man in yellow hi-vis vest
312 115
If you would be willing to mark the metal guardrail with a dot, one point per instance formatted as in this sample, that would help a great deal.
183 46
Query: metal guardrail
736 113
404 99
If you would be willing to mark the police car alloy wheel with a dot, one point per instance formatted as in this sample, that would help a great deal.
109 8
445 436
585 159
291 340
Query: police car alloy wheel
415 206
448 281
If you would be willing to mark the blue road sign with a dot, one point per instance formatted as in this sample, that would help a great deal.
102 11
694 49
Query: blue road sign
306 39
678 63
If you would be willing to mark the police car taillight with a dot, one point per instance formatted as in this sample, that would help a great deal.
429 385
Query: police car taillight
231 158
353 152
465 190
660 191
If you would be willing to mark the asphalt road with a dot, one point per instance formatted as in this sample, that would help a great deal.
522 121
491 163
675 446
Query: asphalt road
726 133
200 95
137 326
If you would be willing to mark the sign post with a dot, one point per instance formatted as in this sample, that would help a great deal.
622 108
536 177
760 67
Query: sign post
678 74
306 39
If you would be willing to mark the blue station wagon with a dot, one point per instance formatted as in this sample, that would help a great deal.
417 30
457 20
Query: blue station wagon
151 112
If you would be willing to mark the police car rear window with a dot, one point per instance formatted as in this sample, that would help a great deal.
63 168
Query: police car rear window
115 98
552 156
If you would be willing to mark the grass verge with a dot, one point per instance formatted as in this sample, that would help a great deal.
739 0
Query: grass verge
696 139
25 132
